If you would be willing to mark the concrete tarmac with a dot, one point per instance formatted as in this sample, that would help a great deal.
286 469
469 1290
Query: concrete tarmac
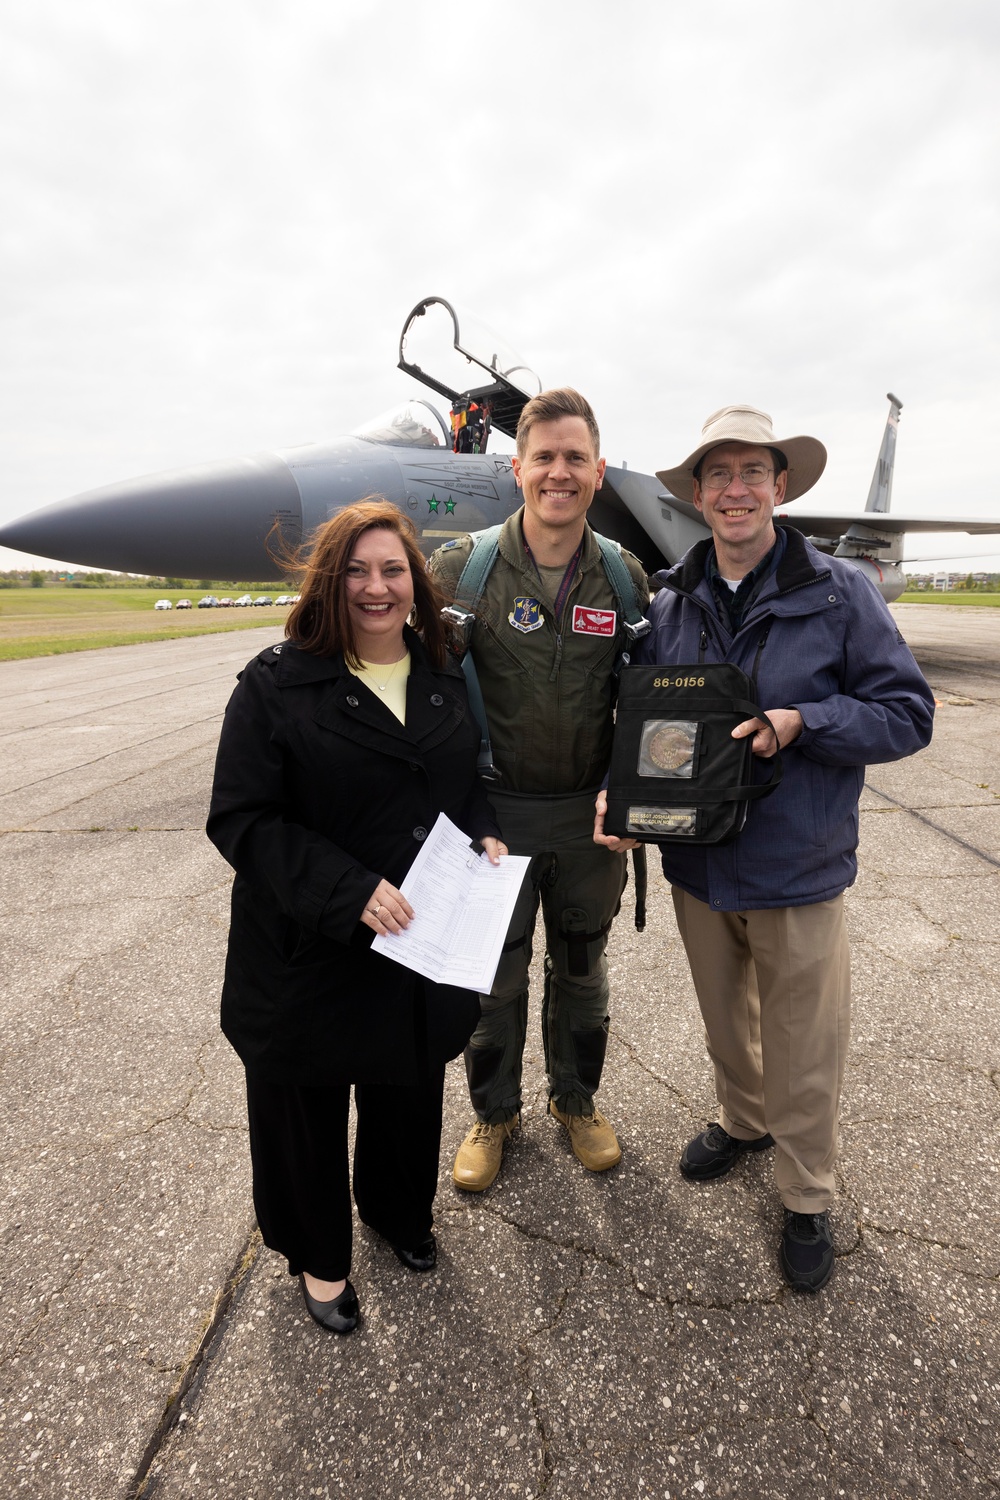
623 1334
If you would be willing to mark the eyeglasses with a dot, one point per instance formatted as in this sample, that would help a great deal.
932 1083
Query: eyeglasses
720 479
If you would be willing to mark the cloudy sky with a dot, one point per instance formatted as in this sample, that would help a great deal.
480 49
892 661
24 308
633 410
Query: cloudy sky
217 214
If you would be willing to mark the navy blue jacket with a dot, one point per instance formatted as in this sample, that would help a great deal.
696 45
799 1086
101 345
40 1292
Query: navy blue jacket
818 638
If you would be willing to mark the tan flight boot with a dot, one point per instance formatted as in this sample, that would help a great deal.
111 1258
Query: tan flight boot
478 1159
592 1137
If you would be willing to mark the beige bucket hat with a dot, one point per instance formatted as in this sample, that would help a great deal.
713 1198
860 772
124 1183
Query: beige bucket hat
806 456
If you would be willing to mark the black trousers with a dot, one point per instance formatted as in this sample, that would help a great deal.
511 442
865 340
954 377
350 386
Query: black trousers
301 1172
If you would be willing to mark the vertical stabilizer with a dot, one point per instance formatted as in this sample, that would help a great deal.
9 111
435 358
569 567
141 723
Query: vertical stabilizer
880 494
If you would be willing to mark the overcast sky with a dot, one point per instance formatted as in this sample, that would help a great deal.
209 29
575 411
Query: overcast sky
217 214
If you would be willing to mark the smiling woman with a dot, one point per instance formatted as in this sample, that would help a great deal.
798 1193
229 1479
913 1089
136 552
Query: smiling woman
380 593
339 750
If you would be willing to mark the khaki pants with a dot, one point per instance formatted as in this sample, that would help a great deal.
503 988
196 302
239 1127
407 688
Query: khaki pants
774 989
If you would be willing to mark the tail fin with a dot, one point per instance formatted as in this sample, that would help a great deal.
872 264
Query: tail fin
880 494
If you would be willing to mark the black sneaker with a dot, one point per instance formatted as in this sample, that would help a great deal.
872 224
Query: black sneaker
712 1153
806 1251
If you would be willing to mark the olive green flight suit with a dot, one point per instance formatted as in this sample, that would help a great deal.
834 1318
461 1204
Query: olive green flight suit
549 689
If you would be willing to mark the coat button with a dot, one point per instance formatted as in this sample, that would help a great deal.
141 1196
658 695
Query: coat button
420 834
716 902
831 598
352 702
436 699
413 766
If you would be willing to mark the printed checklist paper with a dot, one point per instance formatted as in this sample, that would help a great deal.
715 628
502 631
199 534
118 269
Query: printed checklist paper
462 908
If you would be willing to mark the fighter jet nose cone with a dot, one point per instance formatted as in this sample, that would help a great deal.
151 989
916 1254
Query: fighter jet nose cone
210 521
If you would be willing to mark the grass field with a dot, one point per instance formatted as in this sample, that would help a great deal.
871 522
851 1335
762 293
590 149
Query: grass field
981 601
50 621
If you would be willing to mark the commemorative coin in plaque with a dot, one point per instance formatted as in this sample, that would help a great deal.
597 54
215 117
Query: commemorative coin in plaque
667 748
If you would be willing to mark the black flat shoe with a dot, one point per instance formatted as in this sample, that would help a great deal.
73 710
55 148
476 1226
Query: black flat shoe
338 1316
421 1257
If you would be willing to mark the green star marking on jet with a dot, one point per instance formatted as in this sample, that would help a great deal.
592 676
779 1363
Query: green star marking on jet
432 504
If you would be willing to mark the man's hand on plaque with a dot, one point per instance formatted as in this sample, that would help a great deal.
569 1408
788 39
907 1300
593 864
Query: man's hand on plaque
616 845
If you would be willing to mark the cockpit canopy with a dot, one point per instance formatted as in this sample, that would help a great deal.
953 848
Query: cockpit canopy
451 353
413 423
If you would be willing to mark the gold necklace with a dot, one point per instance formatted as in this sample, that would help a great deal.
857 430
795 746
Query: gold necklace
370 673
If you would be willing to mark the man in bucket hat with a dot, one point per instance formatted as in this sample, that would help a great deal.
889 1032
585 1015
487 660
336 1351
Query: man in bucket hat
762 918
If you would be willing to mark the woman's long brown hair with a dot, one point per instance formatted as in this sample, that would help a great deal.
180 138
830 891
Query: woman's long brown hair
321 622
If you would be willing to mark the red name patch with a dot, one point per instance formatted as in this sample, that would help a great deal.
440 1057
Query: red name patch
594 621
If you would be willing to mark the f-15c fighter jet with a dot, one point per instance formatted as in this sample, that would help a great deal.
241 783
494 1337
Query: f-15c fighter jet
222 520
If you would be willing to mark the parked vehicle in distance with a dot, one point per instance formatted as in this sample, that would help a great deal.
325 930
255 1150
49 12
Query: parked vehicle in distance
264 599
163 604
183 604
283 599
209 602
225 603
243 601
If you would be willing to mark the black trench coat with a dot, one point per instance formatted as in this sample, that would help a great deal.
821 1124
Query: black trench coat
319 792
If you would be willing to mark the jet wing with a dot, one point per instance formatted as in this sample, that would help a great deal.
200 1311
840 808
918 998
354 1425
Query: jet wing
885 521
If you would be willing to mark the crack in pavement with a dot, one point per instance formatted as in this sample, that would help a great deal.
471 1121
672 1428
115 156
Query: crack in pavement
895 1057
45 1301
806 1410
225 1301
208 1127
895 1232
989 859
983 961
84 765
614 1263
959 1444
108 828
20 1047
915 904
73 997
69 1151
813 1353
129 946
538 1407
116 902
178 682
671 1088
120 903
985 1278
708 1433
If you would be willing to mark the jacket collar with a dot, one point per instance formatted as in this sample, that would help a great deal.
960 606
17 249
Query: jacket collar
511 544
795 568
295 666
434 703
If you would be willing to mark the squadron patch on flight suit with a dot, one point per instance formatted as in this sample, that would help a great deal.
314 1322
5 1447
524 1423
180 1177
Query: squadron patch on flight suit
594 621
526 615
